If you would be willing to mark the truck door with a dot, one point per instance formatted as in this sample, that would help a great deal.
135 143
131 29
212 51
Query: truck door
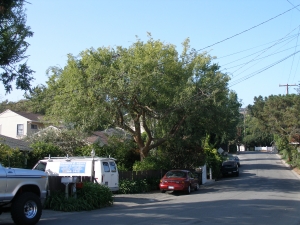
11 179
2 179
110 177
106 176
114 176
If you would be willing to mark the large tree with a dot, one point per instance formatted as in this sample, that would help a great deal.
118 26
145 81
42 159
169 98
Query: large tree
13 45
278 114
146 86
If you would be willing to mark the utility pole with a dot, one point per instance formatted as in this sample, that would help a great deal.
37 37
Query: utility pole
287 87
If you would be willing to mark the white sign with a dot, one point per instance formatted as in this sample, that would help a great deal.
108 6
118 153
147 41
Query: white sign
72 168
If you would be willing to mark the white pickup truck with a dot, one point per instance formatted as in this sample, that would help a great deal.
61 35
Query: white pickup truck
22 192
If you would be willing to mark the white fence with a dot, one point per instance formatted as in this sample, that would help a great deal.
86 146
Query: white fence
268 149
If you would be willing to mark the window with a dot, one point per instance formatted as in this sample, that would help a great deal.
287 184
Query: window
41 166
34 126
20 129
113 167
106 167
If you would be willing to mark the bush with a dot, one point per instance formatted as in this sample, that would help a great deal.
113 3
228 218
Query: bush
90 196
151 163
153 183
213 160
11 157
134 186
42 150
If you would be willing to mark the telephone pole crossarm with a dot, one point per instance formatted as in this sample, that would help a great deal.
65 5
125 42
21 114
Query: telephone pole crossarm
287 87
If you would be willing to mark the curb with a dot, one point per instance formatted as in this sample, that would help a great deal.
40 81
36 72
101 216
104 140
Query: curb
289 166
208 181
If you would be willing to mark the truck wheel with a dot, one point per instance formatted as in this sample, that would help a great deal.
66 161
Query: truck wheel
26 209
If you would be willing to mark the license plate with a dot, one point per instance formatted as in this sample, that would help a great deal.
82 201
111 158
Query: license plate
171 187
229 172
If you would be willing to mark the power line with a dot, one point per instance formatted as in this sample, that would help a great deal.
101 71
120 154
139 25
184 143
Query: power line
288 37
293 5
298 61
260 71
293 57
266 50
255 59
249 28
250 62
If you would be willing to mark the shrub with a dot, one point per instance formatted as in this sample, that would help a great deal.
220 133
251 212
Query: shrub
153 183
90 196
42 150
11 157
151 163
134 186
213 160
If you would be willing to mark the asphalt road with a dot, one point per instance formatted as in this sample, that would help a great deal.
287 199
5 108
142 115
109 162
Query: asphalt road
266 192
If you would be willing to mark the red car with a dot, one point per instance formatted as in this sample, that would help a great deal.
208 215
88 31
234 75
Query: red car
179 180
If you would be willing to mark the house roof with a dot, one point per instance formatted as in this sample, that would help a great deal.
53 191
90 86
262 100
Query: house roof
102 136
98 136
15 143
30 116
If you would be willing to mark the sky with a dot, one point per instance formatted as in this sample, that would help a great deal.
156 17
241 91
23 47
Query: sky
255 42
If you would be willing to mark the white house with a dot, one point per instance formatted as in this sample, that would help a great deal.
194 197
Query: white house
19 124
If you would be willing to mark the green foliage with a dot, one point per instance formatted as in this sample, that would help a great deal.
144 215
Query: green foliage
149 85
256 135
65 140
152 162
285 149
185 153
134 186
13 33
123 150
278 114
40 150
19 106
276 119
213 159
11 157
38 100
90 196
153 183
295 156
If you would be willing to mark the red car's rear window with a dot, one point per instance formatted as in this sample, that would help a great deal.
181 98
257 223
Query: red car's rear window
179 174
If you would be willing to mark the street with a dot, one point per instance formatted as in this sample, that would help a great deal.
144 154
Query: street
266 192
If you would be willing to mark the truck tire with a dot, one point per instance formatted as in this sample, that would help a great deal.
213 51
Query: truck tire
26 209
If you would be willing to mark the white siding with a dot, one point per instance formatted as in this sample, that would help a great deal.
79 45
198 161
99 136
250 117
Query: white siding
9 121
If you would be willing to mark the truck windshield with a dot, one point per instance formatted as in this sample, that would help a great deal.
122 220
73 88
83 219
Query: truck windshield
40 166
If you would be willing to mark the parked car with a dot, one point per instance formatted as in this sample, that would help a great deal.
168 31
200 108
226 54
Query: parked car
235 158
230 167
179 180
